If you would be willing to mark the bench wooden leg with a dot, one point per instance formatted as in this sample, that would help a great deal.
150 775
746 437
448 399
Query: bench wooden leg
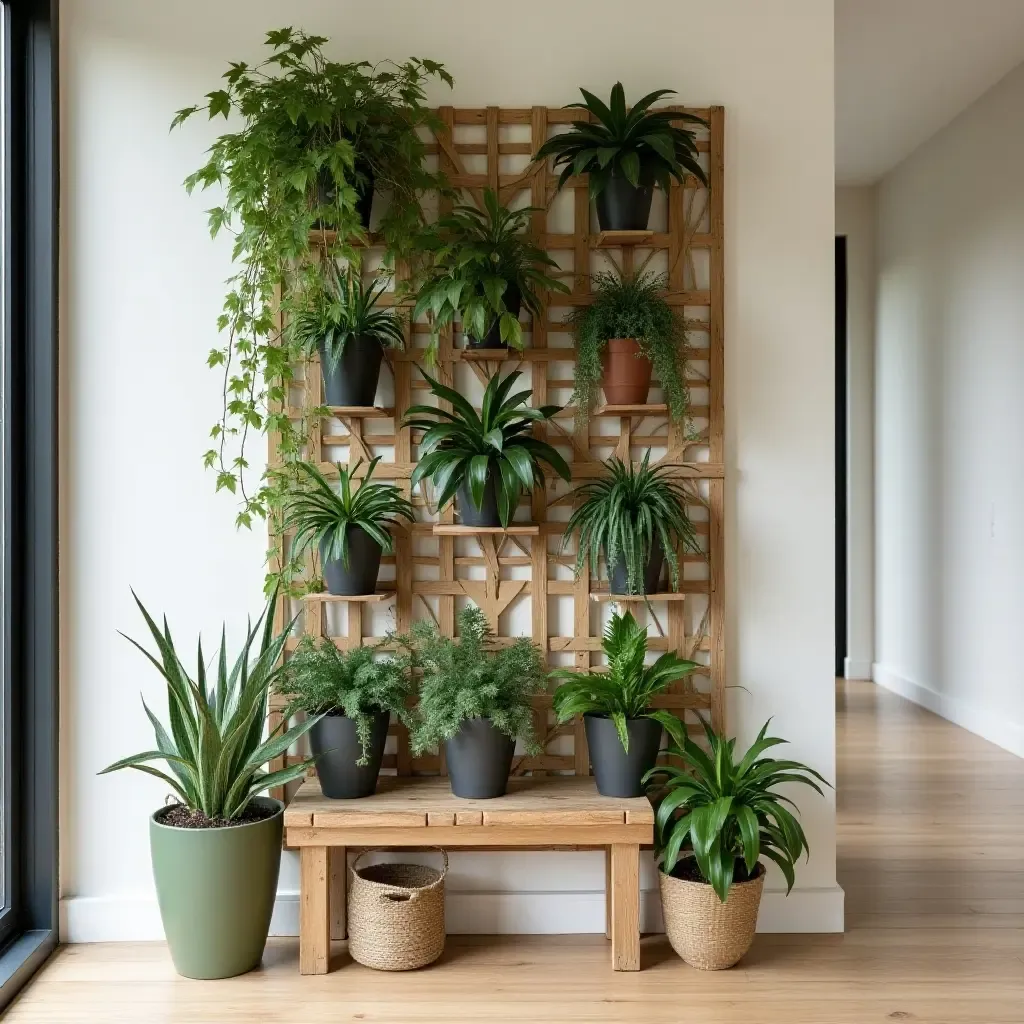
608 892
625 888
339 883
314 910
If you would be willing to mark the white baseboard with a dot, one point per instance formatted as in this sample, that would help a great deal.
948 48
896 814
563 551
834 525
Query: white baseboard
982 722
124 919
856 668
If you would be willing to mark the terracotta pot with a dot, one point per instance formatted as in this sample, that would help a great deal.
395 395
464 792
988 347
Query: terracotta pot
627 372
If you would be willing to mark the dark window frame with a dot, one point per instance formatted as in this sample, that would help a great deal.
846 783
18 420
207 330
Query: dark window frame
29 416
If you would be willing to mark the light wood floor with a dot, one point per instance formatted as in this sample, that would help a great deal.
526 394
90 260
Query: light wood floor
931 835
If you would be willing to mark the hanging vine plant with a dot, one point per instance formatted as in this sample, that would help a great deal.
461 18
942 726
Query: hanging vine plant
315 138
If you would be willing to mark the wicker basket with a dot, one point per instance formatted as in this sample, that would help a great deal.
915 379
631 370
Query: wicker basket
705 932
396 914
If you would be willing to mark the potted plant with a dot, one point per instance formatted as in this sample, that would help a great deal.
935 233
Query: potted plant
216 852
475 699
626 152
623 729
486 459
352 694
484 269
350 527
340 318
628 330
715 817
310 140
636 517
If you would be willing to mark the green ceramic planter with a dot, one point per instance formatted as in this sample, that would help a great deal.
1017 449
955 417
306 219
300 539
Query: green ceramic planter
216 889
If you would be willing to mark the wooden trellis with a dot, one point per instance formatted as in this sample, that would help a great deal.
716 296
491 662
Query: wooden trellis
522 578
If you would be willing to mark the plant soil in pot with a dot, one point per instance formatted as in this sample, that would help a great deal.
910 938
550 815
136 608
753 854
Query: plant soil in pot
487 514
479 758
363 565
616 771
335 745
492 339
353 379
707 933
626 376
618 579
216 888
623 206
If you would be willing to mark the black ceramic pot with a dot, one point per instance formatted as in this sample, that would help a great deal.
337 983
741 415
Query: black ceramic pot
479 758
616 772
617 582
336 747
363 566
469 514
353 379
492 339
623 206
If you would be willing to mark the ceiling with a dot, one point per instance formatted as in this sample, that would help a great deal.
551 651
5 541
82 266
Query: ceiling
906 68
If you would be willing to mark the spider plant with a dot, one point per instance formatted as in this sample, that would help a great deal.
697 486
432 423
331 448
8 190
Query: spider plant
494 447
215 749
623 514
626 690
484 265
727 812
322 516
637 144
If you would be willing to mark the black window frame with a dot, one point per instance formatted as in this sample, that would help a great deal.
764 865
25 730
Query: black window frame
29 602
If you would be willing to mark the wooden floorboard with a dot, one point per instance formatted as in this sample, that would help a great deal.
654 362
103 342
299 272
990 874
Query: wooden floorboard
930 838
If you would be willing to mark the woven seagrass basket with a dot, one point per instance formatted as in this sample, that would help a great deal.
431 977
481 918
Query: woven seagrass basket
396 914
706 933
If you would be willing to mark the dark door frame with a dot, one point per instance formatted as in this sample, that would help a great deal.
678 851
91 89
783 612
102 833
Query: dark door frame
841 457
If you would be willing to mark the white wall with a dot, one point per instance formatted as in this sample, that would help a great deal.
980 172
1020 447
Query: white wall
143 285
855 218
949 507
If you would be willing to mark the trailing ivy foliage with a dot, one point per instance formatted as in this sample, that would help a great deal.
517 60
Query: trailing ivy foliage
310 133
468 678
727 813
629 307
319 679
620 515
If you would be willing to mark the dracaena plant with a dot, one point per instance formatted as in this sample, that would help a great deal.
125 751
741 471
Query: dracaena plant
321 516
628 687
302 120
480 256
727 813
623 514
643 146
464 446
214 749
339 307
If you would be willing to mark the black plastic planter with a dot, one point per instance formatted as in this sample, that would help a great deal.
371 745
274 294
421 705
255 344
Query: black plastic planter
469 514
616 772
353 379
335 745
479 758
492 339
326 191
363 566
622 206
617 583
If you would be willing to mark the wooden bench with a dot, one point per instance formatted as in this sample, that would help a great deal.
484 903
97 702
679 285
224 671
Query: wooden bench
549 812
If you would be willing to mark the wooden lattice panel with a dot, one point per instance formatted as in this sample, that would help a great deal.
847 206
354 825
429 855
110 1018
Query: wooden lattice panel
523 579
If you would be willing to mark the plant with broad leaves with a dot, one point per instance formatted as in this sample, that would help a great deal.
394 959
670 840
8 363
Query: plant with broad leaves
215 748
627 688
643 146
321 516
479 257
464 446
319 679
727 814
623 514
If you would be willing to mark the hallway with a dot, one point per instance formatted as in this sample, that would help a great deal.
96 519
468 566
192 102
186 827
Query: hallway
931 831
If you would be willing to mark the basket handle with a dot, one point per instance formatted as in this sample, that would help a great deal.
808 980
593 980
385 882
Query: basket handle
388 849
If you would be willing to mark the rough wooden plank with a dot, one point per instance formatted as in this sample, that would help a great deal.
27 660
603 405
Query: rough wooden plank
625 907
369 819
566 817
483 836
338 857
314 911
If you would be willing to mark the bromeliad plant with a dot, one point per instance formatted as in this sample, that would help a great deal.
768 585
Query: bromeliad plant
725 812
625 691
481 261
629 307
643 146
622 514
321 516
318 679
463 446
301 119
215 749
467 678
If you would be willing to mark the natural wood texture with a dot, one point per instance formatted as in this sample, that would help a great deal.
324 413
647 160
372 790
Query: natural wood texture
620 239
380 595
338 892
625 907
931 823
314 910
512 530
606 595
